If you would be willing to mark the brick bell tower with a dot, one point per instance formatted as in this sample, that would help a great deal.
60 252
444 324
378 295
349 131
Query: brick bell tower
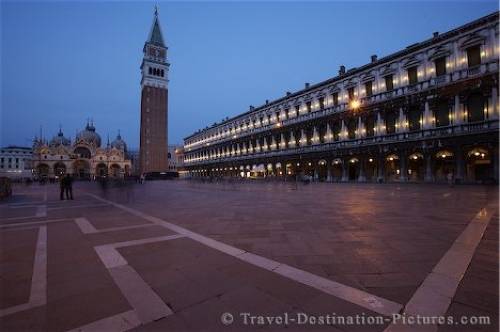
154 102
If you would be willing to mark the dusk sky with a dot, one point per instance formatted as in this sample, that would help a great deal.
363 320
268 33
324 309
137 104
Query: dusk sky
64 62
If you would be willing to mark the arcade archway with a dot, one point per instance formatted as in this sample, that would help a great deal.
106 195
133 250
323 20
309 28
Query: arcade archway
81 169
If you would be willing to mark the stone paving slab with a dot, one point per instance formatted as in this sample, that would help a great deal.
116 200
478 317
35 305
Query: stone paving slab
383 240
413 237
16 266
477 294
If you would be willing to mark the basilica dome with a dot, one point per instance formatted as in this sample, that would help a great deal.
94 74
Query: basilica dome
119 144
89 136
60 140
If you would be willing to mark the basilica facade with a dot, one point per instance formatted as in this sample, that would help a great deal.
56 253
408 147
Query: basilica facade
427 113
83 158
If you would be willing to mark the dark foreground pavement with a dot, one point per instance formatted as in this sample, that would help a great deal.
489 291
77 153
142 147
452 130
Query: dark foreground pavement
182 255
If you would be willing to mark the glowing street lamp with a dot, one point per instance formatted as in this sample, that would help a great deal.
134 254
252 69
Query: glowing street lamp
355 104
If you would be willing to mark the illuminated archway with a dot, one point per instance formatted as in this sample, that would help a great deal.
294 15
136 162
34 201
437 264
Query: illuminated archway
416 167
444 165
392 168
479 166
81 169
59 169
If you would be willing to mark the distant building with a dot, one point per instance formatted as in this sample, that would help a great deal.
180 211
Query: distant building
154 102
15 162
425 113
83 158
175 158
134 157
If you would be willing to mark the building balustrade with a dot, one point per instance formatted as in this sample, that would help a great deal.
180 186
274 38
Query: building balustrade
467 128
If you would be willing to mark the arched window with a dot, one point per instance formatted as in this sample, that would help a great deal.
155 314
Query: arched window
150 71
441 114
390 122
169 155
414 118
162 73
475 107
370 125
155 72
82 152
351 129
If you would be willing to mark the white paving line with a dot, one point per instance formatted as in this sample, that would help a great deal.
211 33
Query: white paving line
50 205
146 303
87 228
146 240
77 206
38 292
14 309
19 224
19 218
112 258
20 229
347 293
435 294
25 205
118 323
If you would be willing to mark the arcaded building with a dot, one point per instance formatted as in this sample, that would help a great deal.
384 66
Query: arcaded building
83 158
426 113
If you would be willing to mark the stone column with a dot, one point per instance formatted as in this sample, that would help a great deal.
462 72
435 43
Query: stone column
328 171
292 143
427 118
401 121
459 166
380 125
329 134
315 138
428 177
345 168
273 142
361 176
403 169
380 169
303 138
343 131
457 111
495 163
494 105
361 126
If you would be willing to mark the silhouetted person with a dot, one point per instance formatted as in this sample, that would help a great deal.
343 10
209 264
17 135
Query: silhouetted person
61 186
68 186
449 177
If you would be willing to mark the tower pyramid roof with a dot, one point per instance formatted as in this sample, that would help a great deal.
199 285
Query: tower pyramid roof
155 36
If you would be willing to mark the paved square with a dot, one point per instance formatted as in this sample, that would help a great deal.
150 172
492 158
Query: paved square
177 255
